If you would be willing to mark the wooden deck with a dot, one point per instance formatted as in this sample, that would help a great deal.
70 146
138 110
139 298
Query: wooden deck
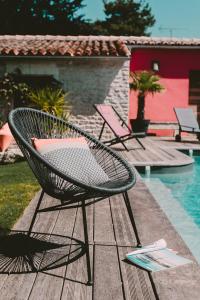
111 236
158 152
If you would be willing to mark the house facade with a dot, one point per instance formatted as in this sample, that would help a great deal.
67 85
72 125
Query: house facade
177 62
95 69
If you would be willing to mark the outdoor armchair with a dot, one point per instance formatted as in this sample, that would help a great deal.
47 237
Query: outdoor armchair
69 164
118 126
187 122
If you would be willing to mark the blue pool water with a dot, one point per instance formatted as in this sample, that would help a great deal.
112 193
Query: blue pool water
178 193
185 187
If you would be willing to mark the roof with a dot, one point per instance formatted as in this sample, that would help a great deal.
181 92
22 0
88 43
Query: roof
161 42
89 46
48 45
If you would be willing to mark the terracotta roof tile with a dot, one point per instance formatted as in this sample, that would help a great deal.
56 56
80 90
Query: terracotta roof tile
160 42
48 45
27 45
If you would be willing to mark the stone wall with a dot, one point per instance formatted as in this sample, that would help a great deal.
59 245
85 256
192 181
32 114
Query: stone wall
87 81
92 81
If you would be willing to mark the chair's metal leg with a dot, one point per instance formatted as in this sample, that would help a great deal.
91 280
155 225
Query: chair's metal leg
100 135
180 132
140 143
35 213
124 145
130 213
86 244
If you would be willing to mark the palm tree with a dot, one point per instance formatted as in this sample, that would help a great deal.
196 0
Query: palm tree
144 82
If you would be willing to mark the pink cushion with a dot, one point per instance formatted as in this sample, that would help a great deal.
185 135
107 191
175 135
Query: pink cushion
47 145
5 137
5 129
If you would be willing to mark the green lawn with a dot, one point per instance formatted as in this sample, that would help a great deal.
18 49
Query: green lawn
17 187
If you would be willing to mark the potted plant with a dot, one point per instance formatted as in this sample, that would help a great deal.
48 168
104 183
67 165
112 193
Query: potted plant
144 83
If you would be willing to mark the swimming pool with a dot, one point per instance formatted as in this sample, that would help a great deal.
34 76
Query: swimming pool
178 193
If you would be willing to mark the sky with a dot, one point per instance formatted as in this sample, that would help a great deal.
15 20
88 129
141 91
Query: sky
176 18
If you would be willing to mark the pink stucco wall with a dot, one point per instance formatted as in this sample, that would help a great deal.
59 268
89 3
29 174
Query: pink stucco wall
175 66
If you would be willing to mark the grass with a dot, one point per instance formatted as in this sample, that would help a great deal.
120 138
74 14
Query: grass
18 186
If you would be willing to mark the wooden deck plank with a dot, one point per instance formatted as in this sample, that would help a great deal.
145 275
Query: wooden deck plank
76 276
136 281
153 161
124 233
19 286
156 154
49 285
137 156
78 230
103 227
169 142
107 280
169 153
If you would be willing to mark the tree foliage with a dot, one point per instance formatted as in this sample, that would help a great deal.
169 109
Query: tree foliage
125 17
41 17
144 82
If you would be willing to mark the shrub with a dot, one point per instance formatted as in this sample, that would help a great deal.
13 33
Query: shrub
10 91
51 100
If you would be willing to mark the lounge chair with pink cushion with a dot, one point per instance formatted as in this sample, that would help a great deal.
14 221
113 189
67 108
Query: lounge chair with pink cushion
117 125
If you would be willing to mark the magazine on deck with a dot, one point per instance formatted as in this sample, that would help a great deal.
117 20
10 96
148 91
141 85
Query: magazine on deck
156 257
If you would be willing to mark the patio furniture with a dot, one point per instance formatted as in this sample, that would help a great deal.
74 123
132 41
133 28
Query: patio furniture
117 125
187 122
5 137
69 164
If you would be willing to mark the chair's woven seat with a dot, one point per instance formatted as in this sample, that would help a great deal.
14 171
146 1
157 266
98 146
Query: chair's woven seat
79 164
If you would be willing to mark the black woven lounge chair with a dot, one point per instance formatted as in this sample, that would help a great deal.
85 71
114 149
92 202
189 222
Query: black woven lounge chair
187 122
117 125
75 175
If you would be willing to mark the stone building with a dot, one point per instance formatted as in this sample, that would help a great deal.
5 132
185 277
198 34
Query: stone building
91 69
